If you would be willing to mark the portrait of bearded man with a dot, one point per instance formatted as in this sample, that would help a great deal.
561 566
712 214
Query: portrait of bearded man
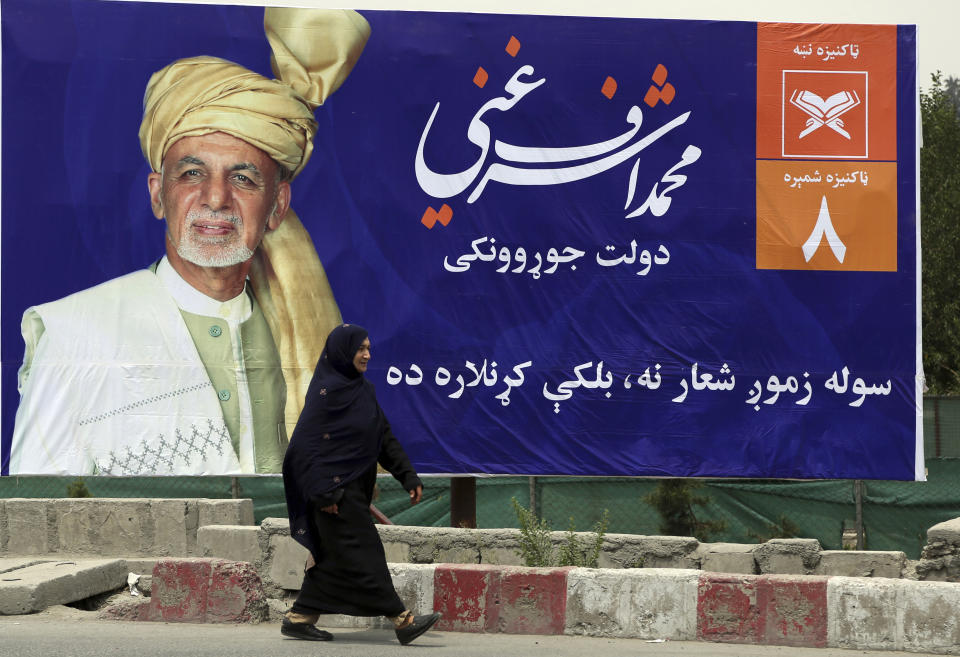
199 364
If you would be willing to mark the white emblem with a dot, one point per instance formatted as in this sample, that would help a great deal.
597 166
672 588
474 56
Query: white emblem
824 112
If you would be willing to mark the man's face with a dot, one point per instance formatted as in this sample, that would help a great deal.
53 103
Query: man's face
218 195
362 357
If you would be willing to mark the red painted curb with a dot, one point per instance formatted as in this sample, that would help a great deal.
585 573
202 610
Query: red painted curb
467 596
763 609
533 601
235 594
513 600
205 591
794 610
727 609
179 591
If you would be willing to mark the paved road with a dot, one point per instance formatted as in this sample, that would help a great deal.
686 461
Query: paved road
65 632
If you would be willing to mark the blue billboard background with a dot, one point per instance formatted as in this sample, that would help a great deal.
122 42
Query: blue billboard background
632 348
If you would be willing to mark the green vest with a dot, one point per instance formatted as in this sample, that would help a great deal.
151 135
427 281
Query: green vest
268 392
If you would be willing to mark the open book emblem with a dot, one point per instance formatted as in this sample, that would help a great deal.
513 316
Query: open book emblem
824 112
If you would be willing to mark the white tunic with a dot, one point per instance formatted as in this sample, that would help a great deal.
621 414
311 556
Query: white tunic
116 386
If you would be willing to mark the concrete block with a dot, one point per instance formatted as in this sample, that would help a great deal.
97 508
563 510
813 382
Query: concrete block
884 614
727 609
272 526
232 542
179 590
169 529
930 621
27 527
941 569
91 525
863 613
532 600
500 556
793 611
415 585
515 600
771 610
225 512
283 562
728 558
38 586
72 520
206 591
235 594
396 551
468 596
947 532
629 551
940 558
501 546
437 545
854 563
788 556
636 603
122 527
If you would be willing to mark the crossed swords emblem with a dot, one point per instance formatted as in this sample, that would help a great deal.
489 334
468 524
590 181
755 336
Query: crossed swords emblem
824 112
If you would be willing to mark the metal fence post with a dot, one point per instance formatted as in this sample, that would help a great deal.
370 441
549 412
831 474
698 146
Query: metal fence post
858 500
532 482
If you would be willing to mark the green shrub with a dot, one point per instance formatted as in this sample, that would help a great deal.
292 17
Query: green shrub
536 549
586 554
674 500
78 488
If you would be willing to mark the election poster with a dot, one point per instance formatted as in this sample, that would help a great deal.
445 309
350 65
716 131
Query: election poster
581 246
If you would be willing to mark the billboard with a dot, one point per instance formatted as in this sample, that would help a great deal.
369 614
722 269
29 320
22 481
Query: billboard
581 246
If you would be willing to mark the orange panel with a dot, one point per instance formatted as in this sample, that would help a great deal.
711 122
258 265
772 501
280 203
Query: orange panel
826 215
826 91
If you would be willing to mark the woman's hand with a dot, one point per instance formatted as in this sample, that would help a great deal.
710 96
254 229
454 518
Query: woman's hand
330 509
416 495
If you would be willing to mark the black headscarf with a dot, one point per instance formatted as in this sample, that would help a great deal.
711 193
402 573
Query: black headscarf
338 434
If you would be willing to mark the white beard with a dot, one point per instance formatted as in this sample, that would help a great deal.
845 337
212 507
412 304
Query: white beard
219 251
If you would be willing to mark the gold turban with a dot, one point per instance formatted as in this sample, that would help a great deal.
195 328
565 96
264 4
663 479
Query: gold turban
314 51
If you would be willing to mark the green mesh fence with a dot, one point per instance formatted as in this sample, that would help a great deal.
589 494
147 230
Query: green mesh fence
895 515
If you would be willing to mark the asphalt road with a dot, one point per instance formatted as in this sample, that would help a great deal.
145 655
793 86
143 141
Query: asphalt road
66 632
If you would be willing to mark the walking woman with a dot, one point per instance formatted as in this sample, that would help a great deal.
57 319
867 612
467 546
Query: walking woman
329 472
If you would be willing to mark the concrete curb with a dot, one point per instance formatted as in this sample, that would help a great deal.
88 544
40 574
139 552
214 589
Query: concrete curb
200 591
121 527
644 603
36 585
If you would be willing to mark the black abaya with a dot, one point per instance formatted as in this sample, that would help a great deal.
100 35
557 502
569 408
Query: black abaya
341 435
351 575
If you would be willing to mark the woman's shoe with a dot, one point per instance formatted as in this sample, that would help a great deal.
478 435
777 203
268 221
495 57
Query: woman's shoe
305 631
419 625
